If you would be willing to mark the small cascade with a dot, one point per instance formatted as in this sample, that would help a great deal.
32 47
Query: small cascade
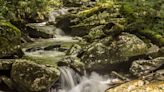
70 81
93 83
69 78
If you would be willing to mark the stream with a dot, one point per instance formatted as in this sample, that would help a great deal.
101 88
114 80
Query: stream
69 80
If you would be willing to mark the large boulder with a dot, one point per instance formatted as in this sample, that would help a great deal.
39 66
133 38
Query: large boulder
106 52
9 40
32 77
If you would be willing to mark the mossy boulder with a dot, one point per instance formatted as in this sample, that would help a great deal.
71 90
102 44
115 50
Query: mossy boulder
107 52
32 77
9 39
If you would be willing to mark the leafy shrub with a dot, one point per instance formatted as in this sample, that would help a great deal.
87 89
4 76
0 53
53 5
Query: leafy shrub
144 14
28 10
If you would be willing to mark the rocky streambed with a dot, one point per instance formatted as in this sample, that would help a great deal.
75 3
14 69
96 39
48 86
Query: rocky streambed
131 58
82 49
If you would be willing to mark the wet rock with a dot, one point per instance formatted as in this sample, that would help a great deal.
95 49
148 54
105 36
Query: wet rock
40 30
33 77
51 47
72 62
143 67
6 64
10 39
100 54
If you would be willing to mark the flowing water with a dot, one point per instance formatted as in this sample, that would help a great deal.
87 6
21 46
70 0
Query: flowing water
72 82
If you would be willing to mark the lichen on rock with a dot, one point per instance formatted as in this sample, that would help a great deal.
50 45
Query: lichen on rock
143 67
125 46
30 76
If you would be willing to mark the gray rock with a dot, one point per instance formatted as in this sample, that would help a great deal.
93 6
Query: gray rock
40 30
73 62
100 54
74 50
33 77
143 67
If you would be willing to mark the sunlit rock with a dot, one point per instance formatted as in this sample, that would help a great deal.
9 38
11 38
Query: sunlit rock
139 86
127 87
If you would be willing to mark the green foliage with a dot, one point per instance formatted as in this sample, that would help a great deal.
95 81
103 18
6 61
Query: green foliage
143 13
9 39
32 10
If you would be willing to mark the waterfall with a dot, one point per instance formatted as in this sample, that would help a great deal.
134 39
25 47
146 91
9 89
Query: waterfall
70 81
69 78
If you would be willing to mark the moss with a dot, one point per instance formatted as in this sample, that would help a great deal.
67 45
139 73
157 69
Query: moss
9 39
153 36
97 8
28 11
